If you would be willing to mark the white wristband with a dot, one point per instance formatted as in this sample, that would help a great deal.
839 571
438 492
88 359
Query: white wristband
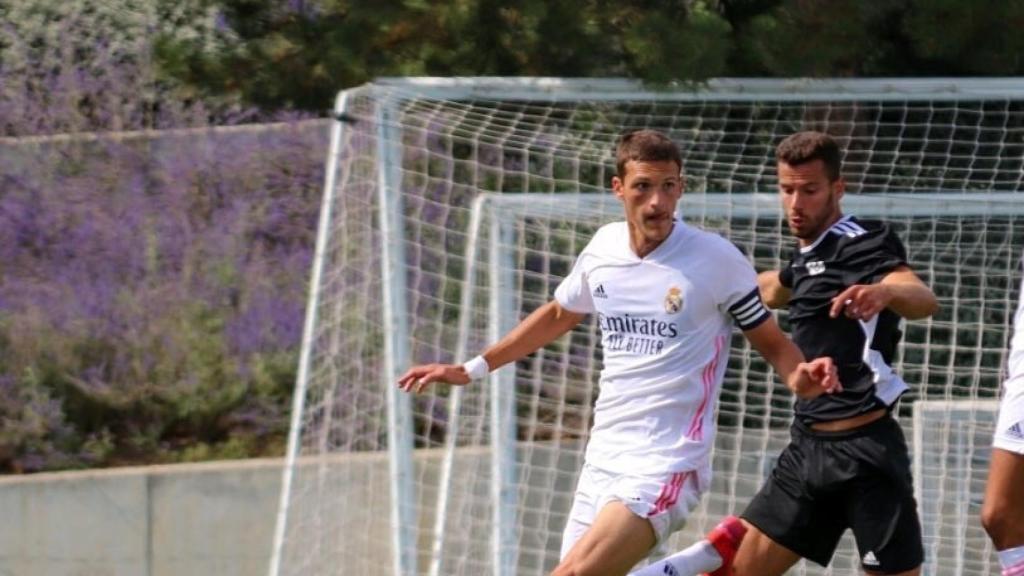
477 368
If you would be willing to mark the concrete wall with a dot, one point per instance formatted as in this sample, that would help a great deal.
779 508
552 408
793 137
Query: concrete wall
195 519
218 518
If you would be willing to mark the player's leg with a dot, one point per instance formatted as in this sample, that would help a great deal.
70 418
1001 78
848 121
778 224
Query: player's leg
760 555
636 514
880 500
1002 514
615 542
783 523
791 516
591 485
888 534
716 551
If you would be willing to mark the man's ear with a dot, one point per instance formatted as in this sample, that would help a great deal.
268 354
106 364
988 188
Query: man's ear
617 186
839 188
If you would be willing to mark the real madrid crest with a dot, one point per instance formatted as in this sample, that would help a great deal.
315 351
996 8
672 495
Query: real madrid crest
674 300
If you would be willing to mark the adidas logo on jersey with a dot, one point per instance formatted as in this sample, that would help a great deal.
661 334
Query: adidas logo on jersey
869 559
599 292
1016 431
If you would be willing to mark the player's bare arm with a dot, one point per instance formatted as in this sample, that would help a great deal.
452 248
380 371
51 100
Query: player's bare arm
773 293
805 379
900 290
538 329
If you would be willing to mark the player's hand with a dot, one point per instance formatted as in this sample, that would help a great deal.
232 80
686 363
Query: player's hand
821 373
417 378
861 301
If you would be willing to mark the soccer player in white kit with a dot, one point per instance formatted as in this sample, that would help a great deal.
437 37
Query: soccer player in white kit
666 296
1002 514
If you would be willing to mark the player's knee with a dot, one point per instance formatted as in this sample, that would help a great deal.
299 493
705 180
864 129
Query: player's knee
580 566
996 519
746 568
560 570
741 567
569 567
991 517
747 564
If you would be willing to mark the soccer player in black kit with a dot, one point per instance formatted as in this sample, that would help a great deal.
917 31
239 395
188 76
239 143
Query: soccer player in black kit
847 286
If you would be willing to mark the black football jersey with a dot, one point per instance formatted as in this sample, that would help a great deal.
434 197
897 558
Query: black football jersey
850 252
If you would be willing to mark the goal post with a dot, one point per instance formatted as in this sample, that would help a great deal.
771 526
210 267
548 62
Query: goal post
452 208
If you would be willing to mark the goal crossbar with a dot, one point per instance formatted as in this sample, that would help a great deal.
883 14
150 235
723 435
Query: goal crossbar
739 205
722 89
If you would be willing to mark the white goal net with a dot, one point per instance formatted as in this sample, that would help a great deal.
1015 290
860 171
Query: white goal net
951 449
452 209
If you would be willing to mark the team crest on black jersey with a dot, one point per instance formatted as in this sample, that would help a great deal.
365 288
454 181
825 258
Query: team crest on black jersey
815 268
674 300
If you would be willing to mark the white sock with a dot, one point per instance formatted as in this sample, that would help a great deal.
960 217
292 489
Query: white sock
1012 560
693 561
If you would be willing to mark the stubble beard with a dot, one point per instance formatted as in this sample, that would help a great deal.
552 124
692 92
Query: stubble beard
815 227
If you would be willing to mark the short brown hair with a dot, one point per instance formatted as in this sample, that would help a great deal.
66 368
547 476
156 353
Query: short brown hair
645 146
808 146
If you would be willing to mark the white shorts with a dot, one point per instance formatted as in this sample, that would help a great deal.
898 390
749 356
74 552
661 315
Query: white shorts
1010 425
665 500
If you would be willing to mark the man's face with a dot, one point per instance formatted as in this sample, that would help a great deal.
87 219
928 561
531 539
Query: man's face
809 198
649 191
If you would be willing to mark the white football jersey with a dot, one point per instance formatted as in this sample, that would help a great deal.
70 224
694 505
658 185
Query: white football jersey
665 324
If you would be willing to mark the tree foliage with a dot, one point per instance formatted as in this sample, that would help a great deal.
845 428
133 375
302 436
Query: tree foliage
299 53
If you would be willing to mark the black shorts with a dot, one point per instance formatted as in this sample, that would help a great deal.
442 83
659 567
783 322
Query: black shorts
826 482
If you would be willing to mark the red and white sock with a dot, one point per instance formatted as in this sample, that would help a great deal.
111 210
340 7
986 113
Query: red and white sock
712 555
726 538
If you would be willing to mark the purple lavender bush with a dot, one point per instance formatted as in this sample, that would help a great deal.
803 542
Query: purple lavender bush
152 281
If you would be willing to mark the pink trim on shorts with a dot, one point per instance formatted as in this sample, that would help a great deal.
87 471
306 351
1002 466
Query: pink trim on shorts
669 494
696 431
1017 570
